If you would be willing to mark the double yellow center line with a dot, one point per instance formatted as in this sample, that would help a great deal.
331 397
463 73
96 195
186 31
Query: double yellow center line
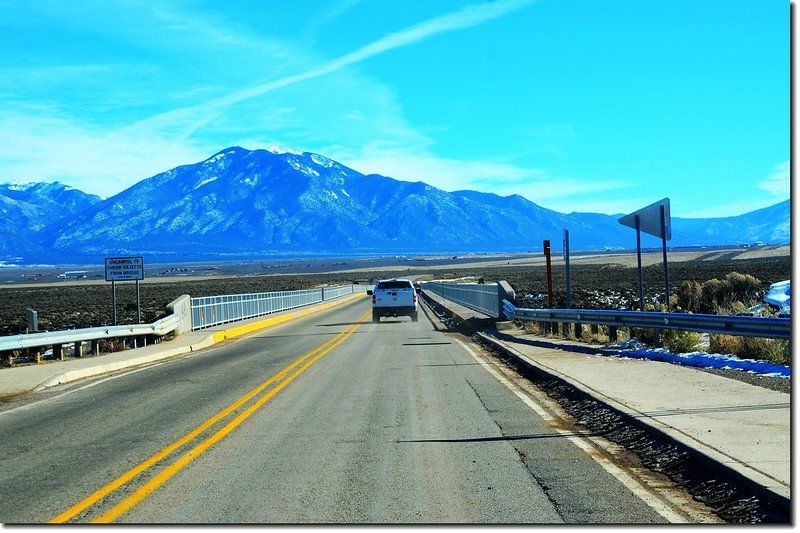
272 386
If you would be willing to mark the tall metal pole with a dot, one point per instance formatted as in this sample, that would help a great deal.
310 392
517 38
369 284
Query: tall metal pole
664 252
138 305
639 262
549 274
114 299
566 262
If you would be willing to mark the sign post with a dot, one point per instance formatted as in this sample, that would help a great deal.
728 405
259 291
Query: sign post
654 220
546 246
566 264
125 269
639 261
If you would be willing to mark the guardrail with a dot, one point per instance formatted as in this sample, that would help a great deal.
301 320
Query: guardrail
183 315
35 340
748 326
212 311
57 339
486 298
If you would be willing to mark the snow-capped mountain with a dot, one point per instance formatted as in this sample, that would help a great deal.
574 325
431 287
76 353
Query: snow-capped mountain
241 203
27 210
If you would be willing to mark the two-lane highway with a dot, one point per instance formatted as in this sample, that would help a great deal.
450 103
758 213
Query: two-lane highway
327 419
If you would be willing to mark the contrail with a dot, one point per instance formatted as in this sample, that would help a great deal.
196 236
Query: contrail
466 17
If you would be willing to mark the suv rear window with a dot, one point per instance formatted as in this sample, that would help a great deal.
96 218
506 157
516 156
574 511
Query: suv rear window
394 285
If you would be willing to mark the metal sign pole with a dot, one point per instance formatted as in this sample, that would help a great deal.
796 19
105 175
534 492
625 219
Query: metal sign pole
549 274
664 252
138 305
114 300
639 261
566 262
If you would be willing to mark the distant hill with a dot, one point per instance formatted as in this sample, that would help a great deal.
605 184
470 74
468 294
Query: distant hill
242 203
769 225
29 210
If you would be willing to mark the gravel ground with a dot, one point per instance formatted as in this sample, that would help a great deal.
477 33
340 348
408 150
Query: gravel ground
772 383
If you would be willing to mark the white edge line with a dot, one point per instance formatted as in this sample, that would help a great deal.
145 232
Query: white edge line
584 444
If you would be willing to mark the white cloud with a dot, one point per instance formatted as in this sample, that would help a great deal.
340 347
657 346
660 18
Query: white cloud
94 161
777 183
504 179
195 117
415 163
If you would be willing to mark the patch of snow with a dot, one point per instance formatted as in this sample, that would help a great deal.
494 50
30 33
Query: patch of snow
279 150
21 186
214 159
345 192
204 182
634 350
308 171
780 295
321 160
332 195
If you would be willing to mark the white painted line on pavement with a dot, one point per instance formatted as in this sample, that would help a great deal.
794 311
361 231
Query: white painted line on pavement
586 445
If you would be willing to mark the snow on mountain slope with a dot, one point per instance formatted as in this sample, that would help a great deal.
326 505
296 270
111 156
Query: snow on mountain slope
246 203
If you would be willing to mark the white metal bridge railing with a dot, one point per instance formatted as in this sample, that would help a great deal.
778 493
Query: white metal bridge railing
484 298
209 311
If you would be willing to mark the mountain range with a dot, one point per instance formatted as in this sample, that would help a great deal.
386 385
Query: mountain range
247 204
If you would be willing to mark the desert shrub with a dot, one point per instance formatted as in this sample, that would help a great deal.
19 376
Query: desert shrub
722 294
677 341
643 335
724 344
688 296
711 294
774 350
743 287
531 327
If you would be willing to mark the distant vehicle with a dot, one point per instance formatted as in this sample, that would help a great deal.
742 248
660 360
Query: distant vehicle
394 297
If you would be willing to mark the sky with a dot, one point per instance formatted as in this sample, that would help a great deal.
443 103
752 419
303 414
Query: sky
577 105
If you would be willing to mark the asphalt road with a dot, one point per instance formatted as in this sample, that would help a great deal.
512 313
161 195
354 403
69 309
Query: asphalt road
328 419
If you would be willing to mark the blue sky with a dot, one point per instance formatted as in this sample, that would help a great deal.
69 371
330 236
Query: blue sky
577 105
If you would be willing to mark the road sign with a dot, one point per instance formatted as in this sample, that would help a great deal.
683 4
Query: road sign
124 268
650 220
655 220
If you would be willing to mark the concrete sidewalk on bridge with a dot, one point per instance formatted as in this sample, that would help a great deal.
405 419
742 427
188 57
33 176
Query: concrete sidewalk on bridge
27 378
744 427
